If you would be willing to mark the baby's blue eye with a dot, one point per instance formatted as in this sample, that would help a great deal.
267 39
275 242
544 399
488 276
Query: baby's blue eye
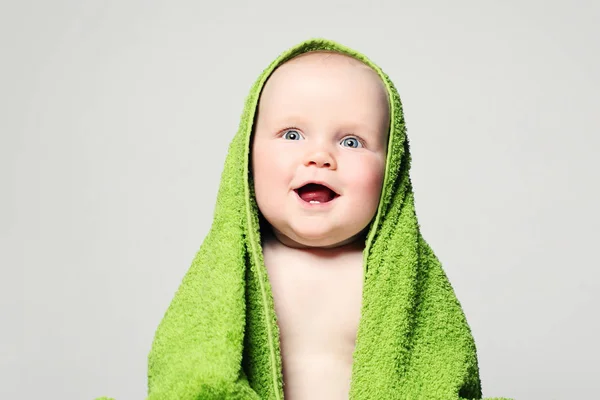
292 134
352 142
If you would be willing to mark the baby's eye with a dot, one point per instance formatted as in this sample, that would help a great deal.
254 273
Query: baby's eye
292 134
352 142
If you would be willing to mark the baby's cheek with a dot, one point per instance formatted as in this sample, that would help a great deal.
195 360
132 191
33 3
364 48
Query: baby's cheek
272 170
369 178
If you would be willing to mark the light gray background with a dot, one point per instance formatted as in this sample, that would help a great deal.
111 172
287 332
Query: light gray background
116 117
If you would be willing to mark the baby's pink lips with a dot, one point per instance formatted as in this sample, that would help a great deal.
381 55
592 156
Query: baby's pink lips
318 183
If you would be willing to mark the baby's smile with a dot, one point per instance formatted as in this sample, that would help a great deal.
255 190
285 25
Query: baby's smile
316 193
315 197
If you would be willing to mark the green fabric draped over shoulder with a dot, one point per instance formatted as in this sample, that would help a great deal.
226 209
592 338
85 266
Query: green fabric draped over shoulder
219 338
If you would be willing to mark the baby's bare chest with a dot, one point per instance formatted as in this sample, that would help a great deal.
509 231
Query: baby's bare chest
318 305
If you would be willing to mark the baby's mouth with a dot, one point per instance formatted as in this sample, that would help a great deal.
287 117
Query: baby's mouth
315 193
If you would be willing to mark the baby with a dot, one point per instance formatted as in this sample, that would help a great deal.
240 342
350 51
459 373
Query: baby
318 162
314 281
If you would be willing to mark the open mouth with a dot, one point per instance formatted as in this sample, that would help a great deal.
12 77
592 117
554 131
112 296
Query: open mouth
315 193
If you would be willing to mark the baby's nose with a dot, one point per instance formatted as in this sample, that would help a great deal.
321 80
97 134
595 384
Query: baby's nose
321 159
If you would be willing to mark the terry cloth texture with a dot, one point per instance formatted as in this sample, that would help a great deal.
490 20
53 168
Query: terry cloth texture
219 338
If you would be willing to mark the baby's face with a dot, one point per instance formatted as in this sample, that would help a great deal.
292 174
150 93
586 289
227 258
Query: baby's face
321 119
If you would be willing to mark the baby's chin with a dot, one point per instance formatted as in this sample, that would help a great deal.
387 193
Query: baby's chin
307 238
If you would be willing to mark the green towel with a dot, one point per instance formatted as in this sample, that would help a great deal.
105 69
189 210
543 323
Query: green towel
219 338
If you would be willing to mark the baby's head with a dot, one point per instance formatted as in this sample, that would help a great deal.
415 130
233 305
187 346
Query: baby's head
322 118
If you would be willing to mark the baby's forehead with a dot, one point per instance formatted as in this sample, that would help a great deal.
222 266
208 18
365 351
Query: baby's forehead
330 63
323 61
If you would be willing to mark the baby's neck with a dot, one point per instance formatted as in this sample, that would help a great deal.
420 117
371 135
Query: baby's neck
279 243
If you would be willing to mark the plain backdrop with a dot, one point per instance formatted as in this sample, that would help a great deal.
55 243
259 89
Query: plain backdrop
115 122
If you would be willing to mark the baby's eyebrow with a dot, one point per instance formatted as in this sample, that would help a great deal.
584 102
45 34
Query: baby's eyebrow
291 120
359 127
299 122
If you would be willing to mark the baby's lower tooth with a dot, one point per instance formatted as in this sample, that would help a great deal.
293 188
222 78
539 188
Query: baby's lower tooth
314 201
